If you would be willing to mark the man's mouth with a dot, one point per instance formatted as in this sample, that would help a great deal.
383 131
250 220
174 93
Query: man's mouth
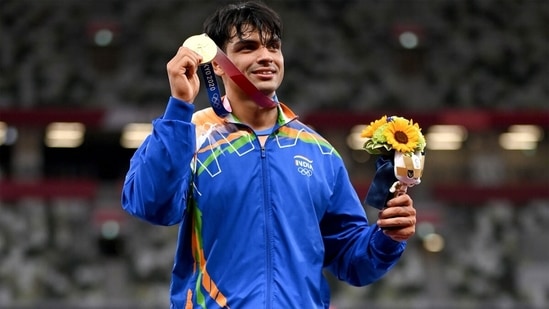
265 73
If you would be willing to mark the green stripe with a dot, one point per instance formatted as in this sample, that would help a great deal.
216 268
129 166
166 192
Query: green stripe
229 148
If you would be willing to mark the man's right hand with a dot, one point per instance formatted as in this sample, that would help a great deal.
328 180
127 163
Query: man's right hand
182 74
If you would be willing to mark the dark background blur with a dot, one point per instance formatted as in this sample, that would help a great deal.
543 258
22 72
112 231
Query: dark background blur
480 67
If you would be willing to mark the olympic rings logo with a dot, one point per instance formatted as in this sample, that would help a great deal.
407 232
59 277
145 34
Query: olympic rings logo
305 171
216 101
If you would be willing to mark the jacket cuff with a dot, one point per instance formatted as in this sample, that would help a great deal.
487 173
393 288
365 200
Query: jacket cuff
384 244
178 110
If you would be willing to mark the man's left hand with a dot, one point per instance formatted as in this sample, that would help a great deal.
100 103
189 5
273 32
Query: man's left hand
398 219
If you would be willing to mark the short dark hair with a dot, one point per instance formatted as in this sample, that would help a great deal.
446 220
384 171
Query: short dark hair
240 16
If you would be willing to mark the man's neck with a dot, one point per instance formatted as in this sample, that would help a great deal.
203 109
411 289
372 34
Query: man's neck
253 115
258 118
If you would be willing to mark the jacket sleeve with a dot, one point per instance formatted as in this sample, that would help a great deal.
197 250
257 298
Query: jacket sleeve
156 184
355 251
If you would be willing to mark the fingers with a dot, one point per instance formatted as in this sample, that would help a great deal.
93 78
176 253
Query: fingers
182 74
400 234
400 206
185 62
401 200
398 212
398 219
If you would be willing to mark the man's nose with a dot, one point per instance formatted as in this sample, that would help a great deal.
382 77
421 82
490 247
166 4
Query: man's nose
265 55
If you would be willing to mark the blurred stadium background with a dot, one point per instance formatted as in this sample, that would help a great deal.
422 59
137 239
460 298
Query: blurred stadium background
81 81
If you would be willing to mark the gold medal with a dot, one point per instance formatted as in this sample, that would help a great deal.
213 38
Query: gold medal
202 45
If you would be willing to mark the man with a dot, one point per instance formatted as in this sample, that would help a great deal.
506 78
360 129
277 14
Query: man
264 203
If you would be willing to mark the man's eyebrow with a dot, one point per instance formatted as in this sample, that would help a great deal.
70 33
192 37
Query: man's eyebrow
242 42
239 41
245 41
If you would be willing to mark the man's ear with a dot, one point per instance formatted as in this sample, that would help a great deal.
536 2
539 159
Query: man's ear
217 69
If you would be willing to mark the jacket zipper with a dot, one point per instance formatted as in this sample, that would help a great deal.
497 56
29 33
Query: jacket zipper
268 229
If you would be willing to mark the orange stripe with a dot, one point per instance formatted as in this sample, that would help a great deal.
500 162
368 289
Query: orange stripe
207 282
189 303
212 289
206 115
228 139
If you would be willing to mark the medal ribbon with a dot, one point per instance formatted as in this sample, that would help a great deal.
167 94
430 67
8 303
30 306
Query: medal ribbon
212 88
234 73
207 48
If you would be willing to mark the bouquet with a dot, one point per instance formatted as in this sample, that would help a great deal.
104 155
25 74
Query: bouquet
402 139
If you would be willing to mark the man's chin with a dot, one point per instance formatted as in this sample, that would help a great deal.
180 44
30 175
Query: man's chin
267 90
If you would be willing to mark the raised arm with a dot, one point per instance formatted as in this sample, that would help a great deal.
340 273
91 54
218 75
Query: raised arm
156 185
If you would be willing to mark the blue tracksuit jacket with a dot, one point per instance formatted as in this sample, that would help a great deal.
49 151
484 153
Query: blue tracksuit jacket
257 224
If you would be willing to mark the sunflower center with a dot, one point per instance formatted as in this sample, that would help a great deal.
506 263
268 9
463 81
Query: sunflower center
401 137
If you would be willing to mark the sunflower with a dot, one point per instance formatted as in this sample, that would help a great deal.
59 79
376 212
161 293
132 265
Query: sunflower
402 135
368 132
393 134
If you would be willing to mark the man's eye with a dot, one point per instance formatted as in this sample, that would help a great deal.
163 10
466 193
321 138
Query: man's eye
247 47
274 45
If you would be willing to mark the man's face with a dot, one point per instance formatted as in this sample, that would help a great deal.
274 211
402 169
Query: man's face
262 64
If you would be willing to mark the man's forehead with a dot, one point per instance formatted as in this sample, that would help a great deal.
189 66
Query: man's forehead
250 32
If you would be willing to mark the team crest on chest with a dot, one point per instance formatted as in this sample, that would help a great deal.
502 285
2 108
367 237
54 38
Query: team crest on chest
304 165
